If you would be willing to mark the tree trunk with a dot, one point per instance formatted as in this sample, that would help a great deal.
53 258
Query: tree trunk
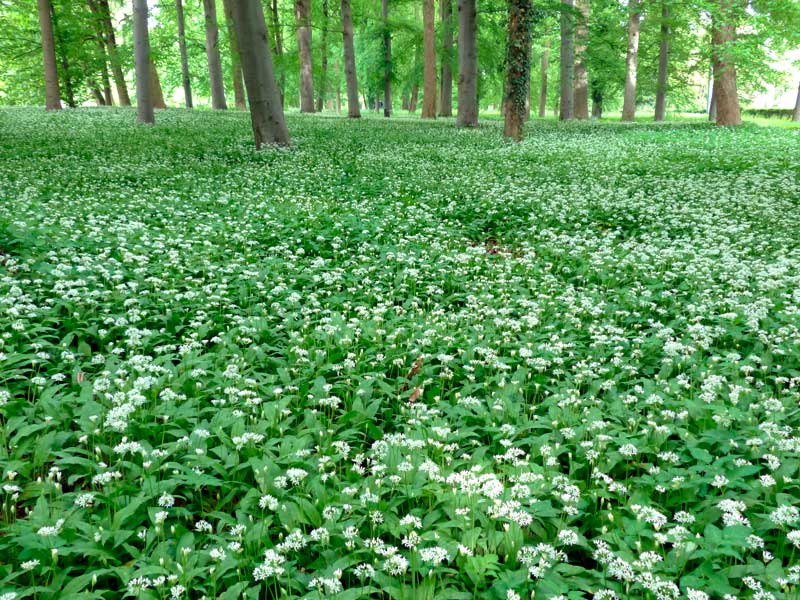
543 85
429 70
236 63
597 104
323 85
567 110
187 82
796 114
446 95
631 60
712 106
302 13
141 53
581 84
113 55
351 79
725 93
155 86
387 60
467 64
266 112
278 36
108 99
52 90
92 84
663 65
69 92
518 65
338 88
212 53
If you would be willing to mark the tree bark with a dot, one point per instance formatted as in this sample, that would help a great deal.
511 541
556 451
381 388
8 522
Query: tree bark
597 104
323 85
429 70
467 64
387 60
581 84
141 53
302 12
98 95
631 60
725 92
338 88
212 53
113 55
351 79
278 36
187 82
518 67
69 90
446 85
543 85
236 63
155 86
108 99
796 113
567 110
266 111
663 65
412 102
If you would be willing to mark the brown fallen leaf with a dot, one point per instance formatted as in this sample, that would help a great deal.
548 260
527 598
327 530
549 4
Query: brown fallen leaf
80 377
415 395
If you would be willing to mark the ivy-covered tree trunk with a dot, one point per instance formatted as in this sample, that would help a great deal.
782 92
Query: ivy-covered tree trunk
467 63
155 86
236 62
543 83
518 66
113 55
266 111
387 60
446 95
429 68
52 89
350 75
187 82
663 65
631 60
141 55
277 33
723 36
567 108
581 83
323 85
302 13
212 54
796 114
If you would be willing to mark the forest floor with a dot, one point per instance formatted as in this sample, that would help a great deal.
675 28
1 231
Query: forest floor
397 360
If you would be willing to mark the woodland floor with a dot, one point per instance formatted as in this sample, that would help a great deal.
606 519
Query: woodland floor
397 360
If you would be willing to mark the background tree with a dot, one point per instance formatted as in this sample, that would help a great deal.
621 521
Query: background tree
467 64
631 60
446 90
567 63
726 95
214 61
187 82
302 13
350 74
518 64
429 78
663 64
236 63
387 59
52 90
141 52
581 81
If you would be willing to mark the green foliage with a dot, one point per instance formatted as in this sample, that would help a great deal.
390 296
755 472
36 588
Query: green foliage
396 360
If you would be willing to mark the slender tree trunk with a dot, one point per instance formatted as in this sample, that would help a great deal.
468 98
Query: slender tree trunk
69 89
597 104
467 64
518 61
323 85
52 90
155 86
429 77
567 110
212 53
187 82
266 111
108 99
387 60
351 79
725 92
98 95
663 65
236 63
796 113
141 53
712 106
302 12
581 84
338 88
277 31
113 55
412 102
543 85
632 60
446 102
